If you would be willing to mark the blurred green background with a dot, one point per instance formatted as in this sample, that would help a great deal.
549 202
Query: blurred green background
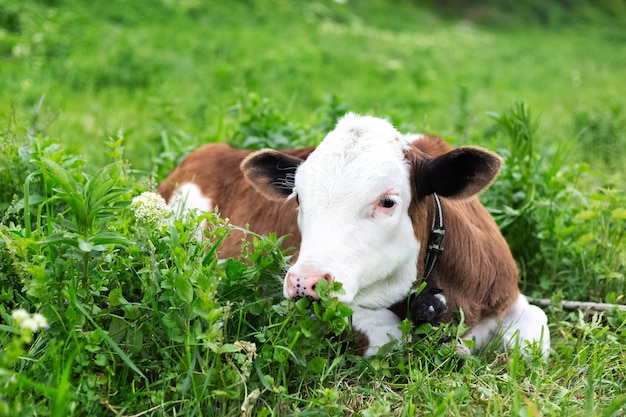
146 69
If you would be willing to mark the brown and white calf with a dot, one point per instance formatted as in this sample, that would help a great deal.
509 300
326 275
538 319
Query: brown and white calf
360 208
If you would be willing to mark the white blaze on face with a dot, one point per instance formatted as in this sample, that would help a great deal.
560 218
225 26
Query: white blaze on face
354 195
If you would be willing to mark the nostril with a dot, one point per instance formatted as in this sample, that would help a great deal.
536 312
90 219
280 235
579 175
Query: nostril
326 277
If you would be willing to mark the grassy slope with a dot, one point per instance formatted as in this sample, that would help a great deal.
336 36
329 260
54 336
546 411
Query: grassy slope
135 67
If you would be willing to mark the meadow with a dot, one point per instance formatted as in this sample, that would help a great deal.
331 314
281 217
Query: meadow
107 310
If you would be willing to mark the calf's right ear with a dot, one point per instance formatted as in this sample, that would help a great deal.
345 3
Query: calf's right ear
271 173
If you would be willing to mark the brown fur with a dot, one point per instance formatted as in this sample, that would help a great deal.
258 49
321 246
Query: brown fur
215 169
476 269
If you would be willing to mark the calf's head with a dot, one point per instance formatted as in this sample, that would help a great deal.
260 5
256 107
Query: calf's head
356 193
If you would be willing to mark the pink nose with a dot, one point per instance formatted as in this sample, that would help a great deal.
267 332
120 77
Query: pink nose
301 282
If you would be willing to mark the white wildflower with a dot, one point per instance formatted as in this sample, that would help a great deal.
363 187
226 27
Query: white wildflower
29 324
41 321
20 315
26 321
150 207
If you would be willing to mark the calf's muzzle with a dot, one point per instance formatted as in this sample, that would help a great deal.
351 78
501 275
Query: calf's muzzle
301 282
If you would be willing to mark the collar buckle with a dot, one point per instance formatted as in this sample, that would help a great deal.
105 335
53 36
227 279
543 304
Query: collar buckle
436 239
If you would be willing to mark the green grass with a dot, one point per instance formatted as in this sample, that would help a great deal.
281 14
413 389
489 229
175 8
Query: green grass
177 67
156 323
145 320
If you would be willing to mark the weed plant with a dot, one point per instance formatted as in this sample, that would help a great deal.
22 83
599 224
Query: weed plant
564 239
141 318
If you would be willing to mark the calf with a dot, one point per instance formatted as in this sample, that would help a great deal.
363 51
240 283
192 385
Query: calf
368 199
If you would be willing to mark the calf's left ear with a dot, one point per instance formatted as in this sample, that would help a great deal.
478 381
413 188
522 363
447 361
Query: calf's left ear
271 173
461 173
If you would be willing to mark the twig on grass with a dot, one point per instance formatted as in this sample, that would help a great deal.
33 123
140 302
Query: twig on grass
578 305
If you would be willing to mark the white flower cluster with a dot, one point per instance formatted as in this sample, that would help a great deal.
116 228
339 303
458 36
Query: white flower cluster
30 322
150 207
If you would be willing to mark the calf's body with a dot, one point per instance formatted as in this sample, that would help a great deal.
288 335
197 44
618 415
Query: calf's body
360 208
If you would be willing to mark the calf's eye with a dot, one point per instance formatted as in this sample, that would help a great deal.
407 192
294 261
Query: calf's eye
386 202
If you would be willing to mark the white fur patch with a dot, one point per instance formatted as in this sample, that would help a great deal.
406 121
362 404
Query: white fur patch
188 197
523 324
380 327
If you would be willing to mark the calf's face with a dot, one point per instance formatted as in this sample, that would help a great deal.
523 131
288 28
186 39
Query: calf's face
354 193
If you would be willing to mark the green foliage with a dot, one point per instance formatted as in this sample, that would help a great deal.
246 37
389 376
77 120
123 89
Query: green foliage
11 169
136 296
562 237
259 124
144 318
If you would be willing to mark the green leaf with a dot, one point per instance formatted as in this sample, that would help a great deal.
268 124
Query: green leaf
586 238
118 329
116 298
170 320
60 176
317 364
266 380
99 186
108 238
100 359
329 313
225 348
619 214
69 191
587 215
322 288
305 332
183 288
85 246
135 341
209 257
65 238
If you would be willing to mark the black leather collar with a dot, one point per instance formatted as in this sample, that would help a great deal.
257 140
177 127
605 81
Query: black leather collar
435 240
